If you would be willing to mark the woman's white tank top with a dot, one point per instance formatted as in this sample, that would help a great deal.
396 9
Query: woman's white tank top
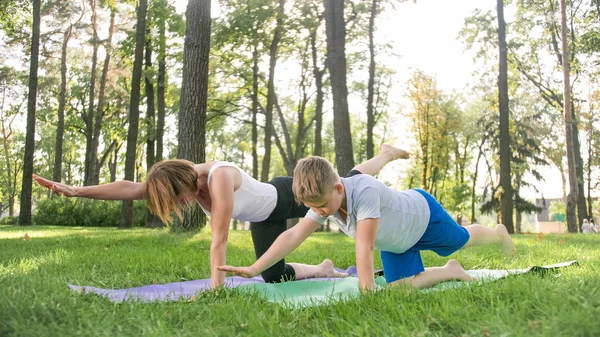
252 201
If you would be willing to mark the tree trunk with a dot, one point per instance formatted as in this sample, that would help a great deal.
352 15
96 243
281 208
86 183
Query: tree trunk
474 183
25 212
151 220
581 204
519 218
134 110
318 74
518 215
273 50
506 197
90 162
568 117
300 124
255 113
60 127
160 90
194 92
589 165
371 83
6 146
113 163
336 63
94 165
150 118
254 99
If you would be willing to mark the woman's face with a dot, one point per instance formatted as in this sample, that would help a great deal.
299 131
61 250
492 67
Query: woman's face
185 199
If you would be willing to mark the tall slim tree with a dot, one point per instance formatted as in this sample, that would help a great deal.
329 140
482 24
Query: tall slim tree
371 82
335 27
318 74
273 51
134 109
60 127
194 92
99 115
88 117
254 98
162 83
25 209
573 196
150 111
506 197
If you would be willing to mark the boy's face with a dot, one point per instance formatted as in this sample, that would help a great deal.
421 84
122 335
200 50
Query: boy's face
330 203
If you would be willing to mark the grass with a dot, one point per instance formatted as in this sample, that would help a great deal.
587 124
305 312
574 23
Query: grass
36 264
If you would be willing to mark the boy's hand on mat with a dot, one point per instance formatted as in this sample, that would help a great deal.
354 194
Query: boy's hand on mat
59 188
248 272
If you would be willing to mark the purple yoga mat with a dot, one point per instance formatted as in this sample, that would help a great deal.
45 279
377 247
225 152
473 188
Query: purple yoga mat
179 290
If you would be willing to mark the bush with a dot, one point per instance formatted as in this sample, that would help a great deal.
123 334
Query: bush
9 221
84 212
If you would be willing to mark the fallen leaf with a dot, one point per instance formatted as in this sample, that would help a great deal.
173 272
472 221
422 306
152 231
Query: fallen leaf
534 325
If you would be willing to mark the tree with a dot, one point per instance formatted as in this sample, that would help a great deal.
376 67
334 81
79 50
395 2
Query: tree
335 27
529 55
573 196
25 209
134 110
162 81
318 74
506 196
371 82
88 117
12 101
194 91
273 50
60 127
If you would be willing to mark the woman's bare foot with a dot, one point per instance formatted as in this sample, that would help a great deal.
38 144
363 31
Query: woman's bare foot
506 244
325 269
458 271
393 153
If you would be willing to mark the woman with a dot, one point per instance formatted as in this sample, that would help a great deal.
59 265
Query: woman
224 192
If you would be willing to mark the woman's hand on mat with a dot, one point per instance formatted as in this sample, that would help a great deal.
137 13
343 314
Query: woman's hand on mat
240 271
59 188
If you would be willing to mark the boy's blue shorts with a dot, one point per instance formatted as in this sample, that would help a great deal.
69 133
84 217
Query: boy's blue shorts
443 236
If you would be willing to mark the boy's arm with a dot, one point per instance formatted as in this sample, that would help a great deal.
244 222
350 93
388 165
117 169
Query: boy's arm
366 232
285 244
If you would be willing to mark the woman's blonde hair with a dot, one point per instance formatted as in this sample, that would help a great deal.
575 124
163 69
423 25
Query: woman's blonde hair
167 180
314 178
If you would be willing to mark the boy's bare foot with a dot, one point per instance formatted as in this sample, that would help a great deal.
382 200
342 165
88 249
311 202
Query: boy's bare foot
325 269
506 244
393 152
458 271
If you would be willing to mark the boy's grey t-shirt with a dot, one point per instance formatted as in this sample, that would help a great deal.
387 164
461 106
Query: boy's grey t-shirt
403 215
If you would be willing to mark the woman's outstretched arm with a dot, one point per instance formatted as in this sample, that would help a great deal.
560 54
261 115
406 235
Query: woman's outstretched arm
118 190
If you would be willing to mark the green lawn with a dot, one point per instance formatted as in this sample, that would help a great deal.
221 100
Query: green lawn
37 263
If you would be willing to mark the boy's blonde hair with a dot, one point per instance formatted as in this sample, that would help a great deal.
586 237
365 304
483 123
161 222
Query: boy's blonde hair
167 180
314 178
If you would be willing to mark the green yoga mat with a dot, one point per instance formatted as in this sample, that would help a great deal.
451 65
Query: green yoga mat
314 293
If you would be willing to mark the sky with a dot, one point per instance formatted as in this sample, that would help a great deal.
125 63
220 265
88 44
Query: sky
424 34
